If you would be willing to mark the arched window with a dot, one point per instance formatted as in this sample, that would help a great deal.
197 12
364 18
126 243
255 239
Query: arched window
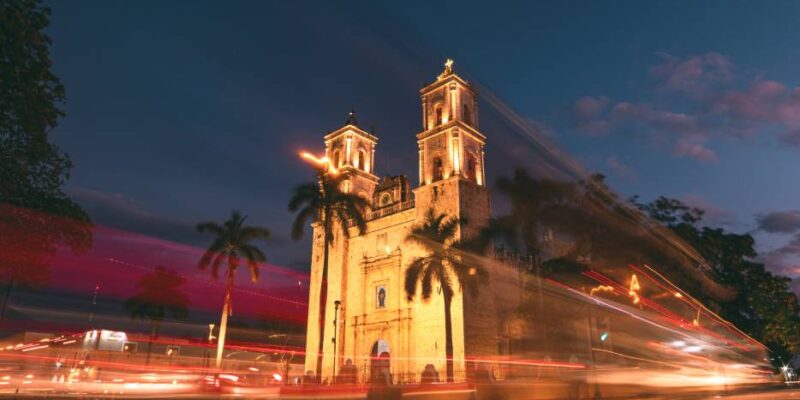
336 159
466 115
438 115
471 167
362 160
438 169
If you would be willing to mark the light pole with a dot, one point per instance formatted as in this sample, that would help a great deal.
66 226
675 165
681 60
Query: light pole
336 305
208 348
94 303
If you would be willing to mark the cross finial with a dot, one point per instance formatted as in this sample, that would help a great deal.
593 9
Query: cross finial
448 65
351 118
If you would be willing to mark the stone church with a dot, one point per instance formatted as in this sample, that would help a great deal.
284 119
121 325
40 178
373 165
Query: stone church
374 320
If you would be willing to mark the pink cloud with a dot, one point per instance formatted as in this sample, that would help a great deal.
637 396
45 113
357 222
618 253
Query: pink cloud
693 75
659 120
622 169
712 214
588 114
696 150
716 100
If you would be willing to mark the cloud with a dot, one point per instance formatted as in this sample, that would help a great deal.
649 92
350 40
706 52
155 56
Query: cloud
779 221
785 259
119 211
762 105
587 115
696 150
694 75
707 98
712 214
622 169
790 138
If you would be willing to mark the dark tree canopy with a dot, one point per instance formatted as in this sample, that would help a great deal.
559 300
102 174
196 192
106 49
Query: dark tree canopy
764 305
716 267
35 214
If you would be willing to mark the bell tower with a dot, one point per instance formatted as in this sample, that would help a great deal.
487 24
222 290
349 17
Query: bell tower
450 143
452 181
351 150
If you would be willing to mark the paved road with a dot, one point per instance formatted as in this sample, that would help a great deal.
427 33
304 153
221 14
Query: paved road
784 394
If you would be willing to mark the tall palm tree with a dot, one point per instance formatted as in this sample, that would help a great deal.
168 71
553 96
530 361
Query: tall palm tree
335 209
450 262
159 294
232 244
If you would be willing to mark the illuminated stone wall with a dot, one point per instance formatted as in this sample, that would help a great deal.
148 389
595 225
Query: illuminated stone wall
366 264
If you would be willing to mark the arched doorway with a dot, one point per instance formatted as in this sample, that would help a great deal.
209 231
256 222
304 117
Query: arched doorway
380 363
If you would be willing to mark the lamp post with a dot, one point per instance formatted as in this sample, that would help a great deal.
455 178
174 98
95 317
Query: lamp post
336 305
210 338
94 303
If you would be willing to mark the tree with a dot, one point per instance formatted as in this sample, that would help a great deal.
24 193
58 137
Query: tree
763 304
159 294
231 245
334 209
534 202
35 215
448 262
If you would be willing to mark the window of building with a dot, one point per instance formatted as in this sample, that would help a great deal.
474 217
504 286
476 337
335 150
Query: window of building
438 115
471 167
438 169
336 159
467 115
362 160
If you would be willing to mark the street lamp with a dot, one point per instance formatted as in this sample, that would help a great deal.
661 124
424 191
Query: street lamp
336 305
210 338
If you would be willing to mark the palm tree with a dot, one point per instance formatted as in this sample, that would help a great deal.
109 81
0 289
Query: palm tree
159 294
326 203
232 244
447 258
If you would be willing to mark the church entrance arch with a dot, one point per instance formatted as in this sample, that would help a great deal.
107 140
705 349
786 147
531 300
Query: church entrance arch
380 363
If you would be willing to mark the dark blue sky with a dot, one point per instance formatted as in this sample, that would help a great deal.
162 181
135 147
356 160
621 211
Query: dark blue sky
180 111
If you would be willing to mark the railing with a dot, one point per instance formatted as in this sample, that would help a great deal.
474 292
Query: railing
392 209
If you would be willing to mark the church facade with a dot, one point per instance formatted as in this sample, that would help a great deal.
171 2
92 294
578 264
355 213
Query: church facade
368 318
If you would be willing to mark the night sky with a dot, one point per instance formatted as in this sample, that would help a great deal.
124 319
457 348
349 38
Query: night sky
178 112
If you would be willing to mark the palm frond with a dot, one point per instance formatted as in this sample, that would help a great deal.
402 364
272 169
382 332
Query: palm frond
306 194
413 274
301 221
249 233
210 227
218 260
427 279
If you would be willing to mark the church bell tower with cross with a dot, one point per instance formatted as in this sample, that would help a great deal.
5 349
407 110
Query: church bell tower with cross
372 328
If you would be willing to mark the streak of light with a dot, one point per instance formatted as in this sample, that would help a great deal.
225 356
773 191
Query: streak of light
601 288
36 348
634 288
